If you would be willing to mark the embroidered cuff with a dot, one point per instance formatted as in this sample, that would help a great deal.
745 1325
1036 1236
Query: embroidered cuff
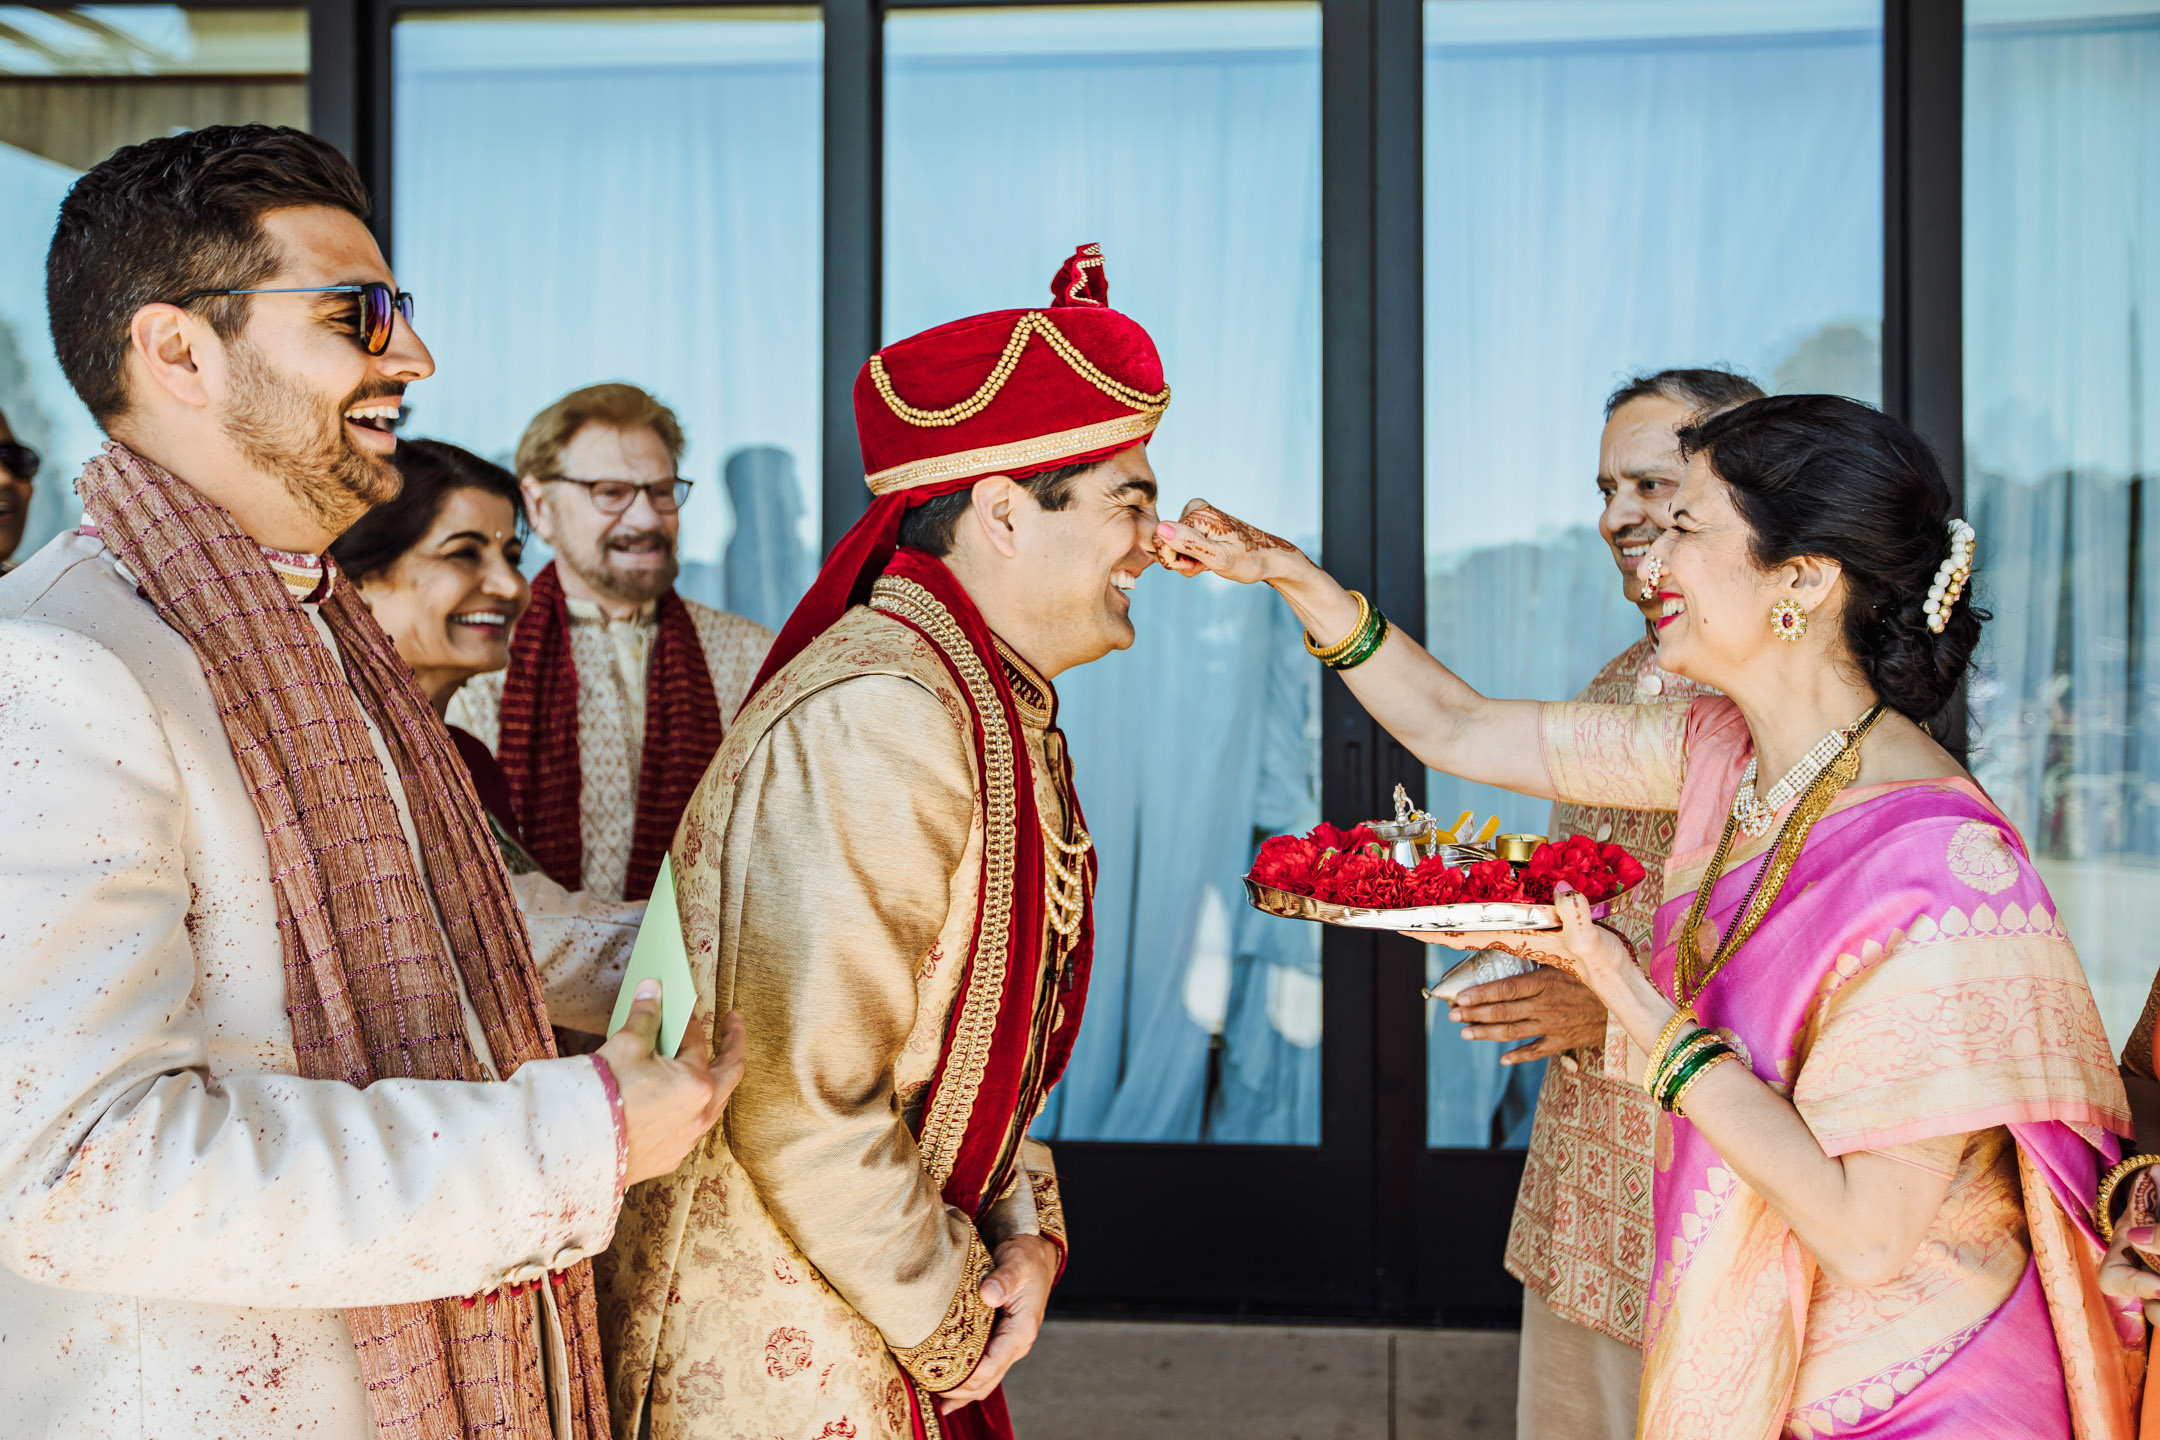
950 1355
1050 1215
622 1126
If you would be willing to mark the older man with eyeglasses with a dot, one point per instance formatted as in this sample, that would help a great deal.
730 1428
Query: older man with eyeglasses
18 467
609 655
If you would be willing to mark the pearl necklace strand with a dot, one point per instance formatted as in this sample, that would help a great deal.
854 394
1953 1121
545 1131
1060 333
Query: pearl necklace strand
1064 886
1757 816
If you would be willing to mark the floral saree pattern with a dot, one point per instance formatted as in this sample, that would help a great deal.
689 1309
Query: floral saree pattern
1914 995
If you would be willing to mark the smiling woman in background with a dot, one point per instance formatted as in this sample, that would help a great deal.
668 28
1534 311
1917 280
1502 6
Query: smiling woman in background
438 567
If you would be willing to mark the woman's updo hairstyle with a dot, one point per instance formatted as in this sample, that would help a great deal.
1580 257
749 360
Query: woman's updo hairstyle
1820 475
431 469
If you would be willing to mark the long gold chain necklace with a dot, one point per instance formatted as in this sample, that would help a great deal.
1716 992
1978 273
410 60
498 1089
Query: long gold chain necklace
1064 885
1690 974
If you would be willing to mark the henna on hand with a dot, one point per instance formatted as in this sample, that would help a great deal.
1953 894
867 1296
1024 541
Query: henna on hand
1217 526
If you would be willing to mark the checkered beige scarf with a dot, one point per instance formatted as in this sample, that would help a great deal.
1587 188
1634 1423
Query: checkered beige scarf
368 981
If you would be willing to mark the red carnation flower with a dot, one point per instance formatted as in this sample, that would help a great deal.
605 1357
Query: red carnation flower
1491 881
1327 837
1367 880
1286 862
1435 882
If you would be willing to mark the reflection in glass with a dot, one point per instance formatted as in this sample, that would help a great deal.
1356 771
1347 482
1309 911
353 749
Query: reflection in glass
151 70
1186 140
587 195
1610 189
2062 421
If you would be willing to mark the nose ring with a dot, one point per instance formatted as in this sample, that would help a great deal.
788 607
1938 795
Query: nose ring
1653 570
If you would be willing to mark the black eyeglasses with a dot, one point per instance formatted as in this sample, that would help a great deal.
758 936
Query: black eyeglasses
377 316
613 497
18 460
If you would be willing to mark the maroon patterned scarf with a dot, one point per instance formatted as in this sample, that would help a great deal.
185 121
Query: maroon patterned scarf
538 741
369 984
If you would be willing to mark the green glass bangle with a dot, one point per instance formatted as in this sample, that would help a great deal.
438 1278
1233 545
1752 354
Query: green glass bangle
1367 646
1679 1097
1678 1051
1702 1059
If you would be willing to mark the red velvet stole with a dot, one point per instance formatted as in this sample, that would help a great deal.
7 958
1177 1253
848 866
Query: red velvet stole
1011 1083
538 743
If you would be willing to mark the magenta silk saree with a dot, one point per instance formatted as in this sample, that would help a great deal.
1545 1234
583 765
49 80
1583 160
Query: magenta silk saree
1913 994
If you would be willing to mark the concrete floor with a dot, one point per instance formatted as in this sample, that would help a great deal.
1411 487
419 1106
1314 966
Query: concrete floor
1135 1380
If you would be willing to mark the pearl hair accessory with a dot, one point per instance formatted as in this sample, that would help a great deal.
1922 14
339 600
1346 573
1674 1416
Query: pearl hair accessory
1950 579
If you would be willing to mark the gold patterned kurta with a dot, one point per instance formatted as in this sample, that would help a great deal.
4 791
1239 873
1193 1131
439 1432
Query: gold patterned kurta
1581 1238
613 660
828 870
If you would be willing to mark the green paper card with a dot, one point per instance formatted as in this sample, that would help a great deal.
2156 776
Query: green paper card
660 955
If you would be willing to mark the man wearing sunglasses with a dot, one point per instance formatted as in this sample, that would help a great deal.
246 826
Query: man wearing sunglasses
288 1144
609 657
18 467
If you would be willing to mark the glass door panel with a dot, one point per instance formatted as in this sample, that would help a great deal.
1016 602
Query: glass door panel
1186 140
2062 433
1610 189
627 194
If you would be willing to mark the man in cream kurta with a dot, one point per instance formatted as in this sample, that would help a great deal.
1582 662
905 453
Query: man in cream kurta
609 655
614 661
886 871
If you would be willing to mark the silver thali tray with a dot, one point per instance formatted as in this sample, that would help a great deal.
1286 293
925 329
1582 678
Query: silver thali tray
1475 916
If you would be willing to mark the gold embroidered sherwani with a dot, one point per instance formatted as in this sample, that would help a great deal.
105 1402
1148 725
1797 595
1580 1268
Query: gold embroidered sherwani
613 662
829 870
1581 1239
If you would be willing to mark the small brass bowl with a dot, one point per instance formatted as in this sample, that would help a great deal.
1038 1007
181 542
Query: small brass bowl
1517 849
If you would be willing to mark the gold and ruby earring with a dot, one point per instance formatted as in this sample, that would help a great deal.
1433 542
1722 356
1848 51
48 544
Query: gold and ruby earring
1788 621
1652 571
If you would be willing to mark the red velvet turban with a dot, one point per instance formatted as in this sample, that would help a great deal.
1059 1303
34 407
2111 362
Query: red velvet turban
1014 392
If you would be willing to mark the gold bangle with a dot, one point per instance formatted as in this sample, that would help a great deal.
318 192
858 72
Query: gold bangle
1680 1096
1685 1015
2105 1200
1325 653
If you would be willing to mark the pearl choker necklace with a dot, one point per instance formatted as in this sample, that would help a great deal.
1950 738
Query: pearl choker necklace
1757 816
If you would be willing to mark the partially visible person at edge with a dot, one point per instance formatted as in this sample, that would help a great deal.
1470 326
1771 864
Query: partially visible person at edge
1880 1220
438 569
610 656
886 870
287 1144
1581 1238
18 467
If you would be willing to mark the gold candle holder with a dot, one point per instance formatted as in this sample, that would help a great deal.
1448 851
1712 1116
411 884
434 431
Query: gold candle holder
1517 849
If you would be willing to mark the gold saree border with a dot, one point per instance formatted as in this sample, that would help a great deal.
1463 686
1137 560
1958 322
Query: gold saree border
945 1123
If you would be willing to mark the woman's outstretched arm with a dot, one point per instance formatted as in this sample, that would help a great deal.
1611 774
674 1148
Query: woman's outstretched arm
1419 701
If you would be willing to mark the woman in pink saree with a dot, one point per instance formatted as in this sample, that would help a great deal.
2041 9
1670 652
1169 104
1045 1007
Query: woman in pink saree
1877 1219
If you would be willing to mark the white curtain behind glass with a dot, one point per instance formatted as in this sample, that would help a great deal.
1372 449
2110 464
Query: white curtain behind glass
2062 409
1186 141
582 197
1612 188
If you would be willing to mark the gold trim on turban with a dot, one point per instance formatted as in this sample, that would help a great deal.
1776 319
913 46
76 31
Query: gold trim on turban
991 459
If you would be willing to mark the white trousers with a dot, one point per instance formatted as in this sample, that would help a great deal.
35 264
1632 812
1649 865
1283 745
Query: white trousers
1574 1383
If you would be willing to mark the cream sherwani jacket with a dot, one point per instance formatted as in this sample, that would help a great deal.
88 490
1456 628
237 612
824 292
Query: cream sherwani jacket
181 1215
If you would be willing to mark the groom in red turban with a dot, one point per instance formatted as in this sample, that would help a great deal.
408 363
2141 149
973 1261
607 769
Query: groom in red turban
885 869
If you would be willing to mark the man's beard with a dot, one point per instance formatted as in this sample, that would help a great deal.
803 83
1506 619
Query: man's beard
282 429
593 568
